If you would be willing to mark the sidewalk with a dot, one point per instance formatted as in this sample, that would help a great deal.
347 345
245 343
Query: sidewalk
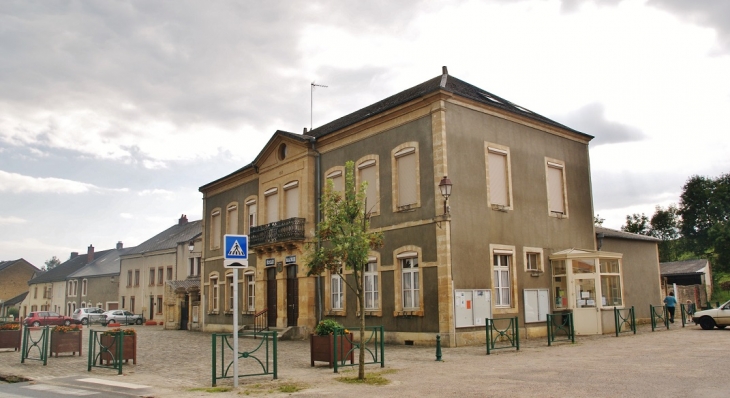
675 362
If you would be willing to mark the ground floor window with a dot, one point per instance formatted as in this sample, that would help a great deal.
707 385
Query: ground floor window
251 292
336 291
159 304
371 286
502 279
411 283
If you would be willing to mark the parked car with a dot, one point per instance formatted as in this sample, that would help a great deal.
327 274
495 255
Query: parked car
44 318
84 315
121 316
708 319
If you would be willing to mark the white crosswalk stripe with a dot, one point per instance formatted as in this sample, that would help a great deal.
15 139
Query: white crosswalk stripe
59 390
112 383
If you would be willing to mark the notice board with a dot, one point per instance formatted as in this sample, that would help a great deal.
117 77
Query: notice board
537 305
472 307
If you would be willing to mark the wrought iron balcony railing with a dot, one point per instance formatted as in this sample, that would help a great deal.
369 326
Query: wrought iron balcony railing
278 231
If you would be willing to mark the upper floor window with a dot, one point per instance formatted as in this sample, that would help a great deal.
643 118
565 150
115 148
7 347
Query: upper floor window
291 199
406 184
136 277
338 180
152 276
84 287
232 219
250 214
368 173
194 266
271 197
160 274
129 278
557 201
215 229
498 174
169 273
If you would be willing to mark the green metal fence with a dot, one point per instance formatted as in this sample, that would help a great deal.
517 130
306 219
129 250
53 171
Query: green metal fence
658 313
37 346
263 353
687 311
106 350
373 344
560 324
507 333
624 317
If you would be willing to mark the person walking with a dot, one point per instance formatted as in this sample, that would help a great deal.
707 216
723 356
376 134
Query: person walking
671 304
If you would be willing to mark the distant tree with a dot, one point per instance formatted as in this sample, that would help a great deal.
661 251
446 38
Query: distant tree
52 263
345 241
598 221
13 311
665 224
637 224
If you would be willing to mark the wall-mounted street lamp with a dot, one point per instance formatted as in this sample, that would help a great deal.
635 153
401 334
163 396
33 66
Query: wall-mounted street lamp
445 188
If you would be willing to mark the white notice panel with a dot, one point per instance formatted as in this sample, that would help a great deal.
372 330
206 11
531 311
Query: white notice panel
472 307
536 305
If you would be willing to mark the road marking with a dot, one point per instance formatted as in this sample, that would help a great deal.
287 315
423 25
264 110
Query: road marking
6 395
113 383
59 390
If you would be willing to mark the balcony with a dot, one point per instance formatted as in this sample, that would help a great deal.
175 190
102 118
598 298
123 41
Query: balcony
276 235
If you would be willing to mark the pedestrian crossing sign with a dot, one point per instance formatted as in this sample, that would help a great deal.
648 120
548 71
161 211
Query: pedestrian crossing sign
235 251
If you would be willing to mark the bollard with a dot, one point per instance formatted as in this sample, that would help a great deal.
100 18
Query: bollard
438 347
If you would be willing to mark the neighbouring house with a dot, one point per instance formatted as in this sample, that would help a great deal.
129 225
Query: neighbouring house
692 279
97 283
147 269
53 287
12 302
516 237
14 277
182 295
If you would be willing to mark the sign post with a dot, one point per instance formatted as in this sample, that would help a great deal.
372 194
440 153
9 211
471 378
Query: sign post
235 255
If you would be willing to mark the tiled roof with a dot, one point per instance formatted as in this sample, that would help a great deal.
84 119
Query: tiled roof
7 264
61 271
15 300
106 265
444 82
683 267
614 233
185 283
169 238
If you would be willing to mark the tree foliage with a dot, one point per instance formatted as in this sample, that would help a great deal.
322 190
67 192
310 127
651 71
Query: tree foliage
52 263
637 224
665 225
598 220
345 241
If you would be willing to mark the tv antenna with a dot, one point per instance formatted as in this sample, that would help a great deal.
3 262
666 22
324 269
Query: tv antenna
311 101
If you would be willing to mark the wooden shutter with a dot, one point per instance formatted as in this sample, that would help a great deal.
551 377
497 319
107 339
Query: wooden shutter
368 174
291 192
407 187
498 182
272 207
555 189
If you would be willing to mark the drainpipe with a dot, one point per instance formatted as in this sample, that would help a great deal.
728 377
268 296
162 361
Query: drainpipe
317 215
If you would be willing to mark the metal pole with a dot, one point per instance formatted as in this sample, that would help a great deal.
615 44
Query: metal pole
235 327
438 347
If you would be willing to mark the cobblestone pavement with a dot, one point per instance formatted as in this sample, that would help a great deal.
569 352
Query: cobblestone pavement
667 363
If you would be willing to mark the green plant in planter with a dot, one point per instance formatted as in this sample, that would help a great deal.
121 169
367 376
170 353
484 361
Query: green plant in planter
10 326
65 329
112 332
327 326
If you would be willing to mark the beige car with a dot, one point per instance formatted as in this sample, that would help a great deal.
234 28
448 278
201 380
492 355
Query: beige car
708 319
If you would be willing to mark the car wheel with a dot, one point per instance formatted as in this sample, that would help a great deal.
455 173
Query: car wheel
138 321
707 323
66 323
85 321
36 324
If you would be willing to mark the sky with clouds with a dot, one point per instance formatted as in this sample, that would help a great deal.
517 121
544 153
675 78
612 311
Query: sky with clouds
112 114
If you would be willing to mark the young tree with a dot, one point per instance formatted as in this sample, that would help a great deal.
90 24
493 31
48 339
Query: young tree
52 263
344 241
598 221
665 226
637 224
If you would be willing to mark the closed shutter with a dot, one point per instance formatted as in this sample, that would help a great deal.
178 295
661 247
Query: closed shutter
407 192
233 219
368 174
498 183
292 201
272 207
555 189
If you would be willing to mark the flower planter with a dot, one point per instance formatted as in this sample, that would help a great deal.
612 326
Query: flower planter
66 342
10 339
322 348
129 348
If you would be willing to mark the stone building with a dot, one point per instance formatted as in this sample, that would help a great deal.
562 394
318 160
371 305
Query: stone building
14 277
521 202
97 283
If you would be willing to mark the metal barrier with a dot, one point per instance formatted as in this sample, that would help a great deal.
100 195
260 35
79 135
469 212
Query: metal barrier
620 320
658 315
688 310
376 352
41 344
267 358
510 334
563 326
106 346
260 321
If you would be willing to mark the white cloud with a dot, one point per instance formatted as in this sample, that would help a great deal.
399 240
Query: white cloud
18 183
125 215
12 220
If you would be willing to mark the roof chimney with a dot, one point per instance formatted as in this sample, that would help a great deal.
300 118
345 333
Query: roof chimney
74 254
183 220
90 254
305 131
445 71
120 245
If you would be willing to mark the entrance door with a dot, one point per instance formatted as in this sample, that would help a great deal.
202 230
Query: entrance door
184 313
152 307
586 314
271 296
292 296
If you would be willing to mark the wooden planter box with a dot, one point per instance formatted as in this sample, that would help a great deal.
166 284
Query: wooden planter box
10 339
129 347
66 342
322 349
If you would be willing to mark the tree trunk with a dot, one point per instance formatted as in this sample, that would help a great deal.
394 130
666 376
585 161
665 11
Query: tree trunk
361 307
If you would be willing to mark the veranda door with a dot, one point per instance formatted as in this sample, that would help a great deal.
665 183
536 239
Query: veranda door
586 312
